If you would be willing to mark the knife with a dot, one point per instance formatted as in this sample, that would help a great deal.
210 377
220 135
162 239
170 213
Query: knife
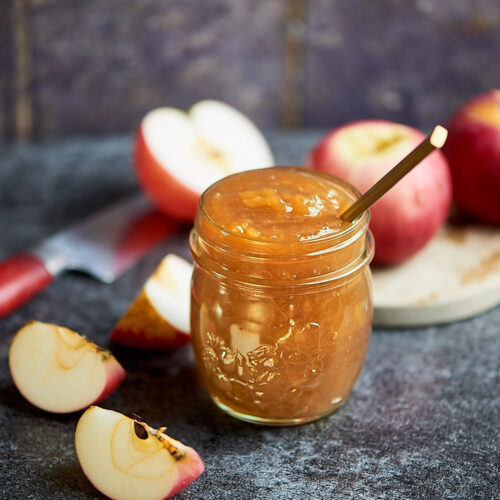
104 246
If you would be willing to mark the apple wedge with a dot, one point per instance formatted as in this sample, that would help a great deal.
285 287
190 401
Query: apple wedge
124 458
159 316
60 371
178 154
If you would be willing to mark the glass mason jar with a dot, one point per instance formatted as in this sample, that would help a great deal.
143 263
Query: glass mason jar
280 330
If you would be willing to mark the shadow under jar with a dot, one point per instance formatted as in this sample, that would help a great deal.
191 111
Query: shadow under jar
281 305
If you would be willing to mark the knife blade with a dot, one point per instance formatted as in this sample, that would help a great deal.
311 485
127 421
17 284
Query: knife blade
103 245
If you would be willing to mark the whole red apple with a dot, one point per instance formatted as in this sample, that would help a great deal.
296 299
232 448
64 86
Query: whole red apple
473 153
407 216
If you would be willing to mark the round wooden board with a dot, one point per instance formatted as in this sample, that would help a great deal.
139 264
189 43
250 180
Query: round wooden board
456 276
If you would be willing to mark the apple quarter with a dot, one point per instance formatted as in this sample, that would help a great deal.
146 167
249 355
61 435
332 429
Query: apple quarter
60 371
158 318
128 460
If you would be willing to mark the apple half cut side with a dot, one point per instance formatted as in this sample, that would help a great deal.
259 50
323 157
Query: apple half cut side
178 155
159 316
125 458
60 371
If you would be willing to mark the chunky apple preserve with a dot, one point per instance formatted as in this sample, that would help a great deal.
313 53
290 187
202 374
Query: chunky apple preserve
281 304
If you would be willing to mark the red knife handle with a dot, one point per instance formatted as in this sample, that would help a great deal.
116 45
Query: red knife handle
21 277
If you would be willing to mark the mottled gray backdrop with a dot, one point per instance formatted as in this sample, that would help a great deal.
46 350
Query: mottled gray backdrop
96 66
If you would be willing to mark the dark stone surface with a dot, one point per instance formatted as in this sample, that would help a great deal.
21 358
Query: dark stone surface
100 66
411 62
422 421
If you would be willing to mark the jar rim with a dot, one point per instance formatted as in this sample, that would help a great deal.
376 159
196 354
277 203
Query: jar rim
360 224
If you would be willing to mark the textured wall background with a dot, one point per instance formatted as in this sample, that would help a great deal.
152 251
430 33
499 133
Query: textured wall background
96 66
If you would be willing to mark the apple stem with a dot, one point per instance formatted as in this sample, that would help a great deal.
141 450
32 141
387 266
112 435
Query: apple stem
433 141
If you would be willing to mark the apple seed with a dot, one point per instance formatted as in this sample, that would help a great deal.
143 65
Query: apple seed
140 431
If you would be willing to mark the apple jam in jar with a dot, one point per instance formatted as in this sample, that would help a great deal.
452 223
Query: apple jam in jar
281 304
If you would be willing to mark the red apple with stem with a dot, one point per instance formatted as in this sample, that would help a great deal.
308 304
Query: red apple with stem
410 213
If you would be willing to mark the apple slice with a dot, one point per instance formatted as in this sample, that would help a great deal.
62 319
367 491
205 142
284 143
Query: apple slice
60 371
178 155
125 459
159 316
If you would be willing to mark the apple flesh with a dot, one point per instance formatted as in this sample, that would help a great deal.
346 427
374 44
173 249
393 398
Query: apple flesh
58 370
473 152
159 316
407 216
124 458
178 155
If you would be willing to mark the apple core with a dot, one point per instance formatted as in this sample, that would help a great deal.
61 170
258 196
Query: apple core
281 303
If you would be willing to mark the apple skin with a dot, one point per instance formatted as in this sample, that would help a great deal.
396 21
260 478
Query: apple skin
114 377
473 153
169 338
187 470
163 189
408 215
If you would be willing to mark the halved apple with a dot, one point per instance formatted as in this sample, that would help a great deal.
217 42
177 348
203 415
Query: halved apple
60 371
125 458
159 316
178 154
